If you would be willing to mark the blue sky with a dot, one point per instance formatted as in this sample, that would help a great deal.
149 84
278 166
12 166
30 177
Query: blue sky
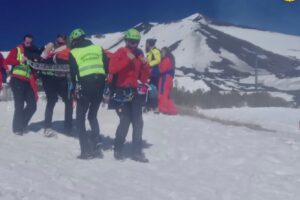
45 18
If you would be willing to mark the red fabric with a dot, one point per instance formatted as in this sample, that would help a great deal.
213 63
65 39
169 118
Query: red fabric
129 71
12 57
165 65
33 85
1 66
64 54
108 55
165 103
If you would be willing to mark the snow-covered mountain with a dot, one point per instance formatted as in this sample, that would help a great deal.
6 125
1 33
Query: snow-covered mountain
214 55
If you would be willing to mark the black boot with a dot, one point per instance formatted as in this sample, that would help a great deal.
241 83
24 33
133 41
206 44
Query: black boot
95 144
139 156
119 155
86 156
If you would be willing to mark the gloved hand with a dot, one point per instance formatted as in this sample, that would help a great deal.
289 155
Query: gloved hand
24 59
106 94
130 55
144 60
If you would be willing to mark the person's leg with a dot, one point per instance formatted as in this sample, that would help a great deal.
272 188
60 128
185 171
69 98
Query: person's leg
166 105
94 136
30 105
4 75
94 91
17 87
153 103
122 130
82 107
49 85
64 93
137 123
172 110
162 95
137 130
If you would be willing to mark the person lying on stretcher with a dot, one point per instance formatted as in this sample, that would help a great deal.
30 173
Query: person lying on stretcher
56 53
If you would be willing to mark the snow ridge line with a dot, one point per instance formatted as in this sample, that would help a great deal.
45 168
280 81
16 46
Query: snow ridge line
187 111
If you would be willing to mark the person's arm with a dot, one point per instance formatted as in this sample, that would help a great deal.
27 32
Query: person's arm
145 73
105 62
73 69
119 61
32 53
12 58
157 58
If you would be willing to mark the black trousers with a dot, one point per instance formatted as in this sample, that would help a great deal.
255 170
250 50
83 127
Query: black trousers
23 93
153 103
88 103
4 75
130 113
54 87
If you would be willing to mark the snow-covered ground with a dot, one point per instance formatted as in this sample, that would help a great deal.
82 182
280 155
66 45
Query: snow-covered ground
190 159
283 120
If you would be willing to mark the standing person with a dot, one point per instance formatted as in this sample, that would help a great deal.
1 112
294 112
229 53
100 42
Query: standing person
128 66
56 84
167 72
154 58
23 83
88 65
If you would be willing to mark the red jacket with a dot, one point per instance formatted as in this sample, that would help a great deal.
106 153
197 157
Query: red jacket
128 71
12 60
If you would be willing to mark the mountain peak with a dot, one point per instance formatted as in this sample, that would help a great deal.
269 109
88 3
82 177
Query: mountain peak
197 17
194 16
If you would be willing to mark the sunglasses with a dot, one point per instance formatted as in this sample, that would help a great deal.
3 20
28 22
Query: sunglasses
28 43
134 42
60 43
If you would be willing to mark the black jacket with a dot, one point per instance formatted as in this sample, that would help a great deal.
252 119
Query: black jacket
32 52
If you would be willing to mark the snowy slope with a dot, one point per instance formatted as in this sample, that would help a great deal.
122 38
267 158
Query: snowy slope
279 43
190 159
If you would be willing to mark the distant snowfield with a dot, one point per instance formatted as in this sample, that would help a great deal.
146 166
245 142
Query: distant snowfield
284 120
190 159
282 44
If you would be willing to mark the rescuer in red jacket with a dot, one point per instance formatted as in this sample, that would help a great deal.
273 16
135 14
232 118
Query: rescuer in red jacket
23 83
128 67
